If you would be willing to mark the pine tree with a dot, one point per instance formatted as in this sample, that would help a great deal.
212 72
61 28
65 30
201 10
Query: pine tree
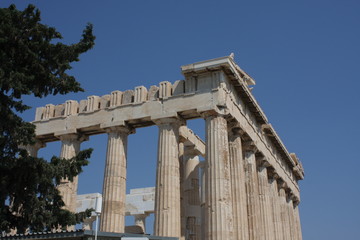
31 63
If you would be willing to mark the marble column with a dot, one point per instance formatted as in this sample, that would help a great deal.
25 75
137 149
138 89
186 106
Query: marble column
284 211
182 201
114 187
218 212
264 198
292 227
88 223
252 189
191 193
276 210
70 146
167 194
140 220
297 219
202 199
68 189
238 188
33 149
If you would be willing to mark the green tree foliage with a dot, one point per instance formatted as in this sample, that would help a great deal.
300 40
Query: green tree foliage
33 62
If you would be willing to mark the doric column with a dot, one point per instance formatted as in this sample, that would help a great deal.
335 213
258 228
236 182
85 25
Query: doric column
252 190
114 188
202 199
284 211
276 210
191 193
297 219
33 149
182 201
218 213
292 227
88 222
167 194
70 146
238 189
264 198
140 220
68 189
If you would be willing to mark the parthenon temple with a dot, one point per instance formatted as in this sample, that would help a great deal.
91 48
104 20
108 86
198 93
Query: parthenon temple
245 189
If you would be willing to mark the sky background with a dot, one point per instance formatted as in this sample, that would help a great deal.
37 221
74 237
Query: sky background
304 56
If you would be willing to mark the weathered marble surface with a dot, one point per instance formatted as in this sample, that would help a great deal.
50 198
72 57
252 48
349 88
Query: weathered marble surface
238 195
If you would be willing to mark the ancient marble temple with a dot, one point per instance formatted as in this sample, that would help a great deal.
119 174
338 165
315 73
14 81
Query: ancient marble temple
247 187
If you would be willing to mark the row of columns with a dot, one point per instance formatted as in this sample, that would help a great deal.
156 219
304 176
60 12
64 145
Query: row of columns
243 199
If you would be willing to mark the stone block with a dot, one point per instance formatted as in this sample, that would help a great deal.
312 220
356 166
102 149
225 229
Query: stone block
82 106
93 103
71 107
216 79
39 114
49 111
115 99
165 90
128 97
190 84
178 87
153 93
59 110
105 101
140 94
140 201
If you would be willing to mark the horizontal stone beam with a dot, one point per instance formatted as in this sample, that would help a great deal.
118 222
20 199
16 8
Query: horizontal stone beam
190 138
135 115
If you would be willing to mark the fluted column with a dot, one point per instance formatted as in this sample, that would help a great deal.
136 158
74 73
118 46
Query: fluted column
292 228
182 193
167 194
68 189
33 149
297 220
238 189
218 213
114 188
264 198
202 200
191 193
276 209
284 211
252 190
140 220
88 222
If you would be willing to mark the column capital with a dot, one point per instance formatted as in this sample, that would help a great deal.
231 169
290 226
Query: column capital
296 200
37 145
249 146
273 174
191 150
235 130
72 137
262 161
282 184
33 149
117 126
168 120
211 113
120 129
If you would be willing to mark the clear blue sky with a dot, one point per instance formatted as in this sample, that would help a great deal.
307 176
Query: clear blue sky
305 57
